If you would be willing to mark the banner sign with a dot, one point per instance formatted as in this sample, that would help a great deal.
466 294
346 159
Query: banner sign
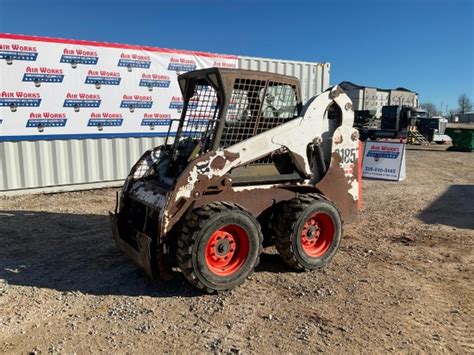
65 89
384 160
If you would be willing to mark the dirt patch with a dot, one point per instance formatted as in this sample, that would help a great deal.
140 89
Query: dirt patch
402 279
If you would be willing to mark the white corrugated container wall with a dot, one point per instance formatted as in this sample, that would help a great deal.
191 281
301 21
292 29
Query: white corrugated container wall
52 165
314 77
76 164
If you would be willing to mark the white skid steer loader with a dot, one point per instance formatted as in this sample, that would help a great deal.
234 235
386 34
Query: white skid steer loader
248 165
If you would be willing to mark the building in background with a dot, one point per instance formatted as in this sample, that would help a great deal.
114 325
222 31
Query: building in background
371 98
467 117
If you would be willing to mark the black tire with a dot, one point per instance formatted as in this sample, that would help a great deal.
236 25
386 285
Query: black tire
195 240
294 243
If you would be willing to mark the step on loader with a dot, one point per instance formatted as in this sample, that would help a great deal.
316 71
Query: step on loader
248 166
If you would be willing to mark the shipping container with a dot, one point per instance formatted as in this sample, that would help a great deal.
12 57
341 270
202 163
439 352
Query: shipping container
93 150
313 77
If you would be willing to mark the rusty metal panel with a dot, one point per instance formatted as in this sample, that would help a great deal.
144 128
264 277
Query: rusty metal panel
314 77
42 164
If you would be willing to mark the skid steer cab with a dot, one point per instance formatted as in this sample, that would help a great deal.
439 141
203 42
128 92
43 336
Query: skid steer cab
248 165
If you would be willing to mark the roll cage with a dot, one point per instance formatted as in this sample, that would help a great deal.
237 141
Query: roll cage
222 107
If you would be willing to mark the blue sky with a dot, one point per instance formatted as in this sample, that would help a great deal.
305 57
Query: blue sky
426 46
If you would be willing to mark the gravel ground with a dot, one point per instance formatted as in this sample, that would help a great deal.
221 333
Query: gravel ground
401 282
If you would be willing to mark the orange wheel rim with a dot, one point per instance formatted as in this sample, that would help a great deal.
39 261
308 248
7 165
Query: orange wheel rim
317 234
227 249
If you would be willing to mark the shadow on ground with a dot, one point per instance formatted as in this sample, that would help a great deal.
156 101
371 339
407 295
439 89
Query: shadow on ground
455 207
73 252
76 252
272 263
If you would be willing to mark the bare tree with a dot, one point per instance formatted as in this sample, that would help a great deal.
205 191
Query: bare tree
465 104
451 114
430 108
